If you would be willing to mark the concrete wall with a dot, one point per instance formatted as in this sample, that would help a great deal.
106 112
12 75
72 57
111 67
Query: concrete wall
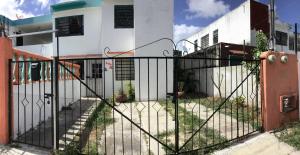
153 20
41 49
227 78
23 105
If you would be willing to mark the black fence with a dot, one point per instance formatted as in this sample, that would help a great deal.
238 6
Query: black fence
135 105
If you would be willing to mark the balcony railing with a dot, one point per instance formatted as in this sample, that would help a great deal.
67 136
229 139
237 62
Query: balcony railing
22 68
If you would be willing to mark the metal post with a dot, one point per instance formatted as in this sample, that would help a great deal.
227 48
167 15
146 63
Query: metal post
10 126
296 39
175 98
272 25
56 95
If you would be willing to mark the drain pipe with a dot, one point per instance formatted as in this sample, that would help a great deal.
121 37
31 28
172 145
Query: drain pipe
272 26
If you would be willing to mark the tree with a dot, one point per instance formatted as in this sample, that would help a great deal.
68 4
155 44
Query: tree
261 46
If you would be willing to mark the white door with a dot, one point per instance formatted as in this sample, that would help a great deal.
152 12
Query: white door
94 77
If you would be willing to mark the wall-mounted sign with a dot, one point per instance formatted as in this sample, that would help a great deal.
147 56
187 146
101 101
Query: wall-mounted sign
108 64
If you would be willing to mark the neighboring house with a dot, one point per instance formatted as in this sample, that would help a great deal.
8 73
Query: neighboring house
87 27
239 26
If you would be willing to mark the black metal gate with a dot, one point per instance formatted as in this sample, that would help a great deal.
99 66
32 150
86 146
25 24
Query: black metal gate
190 104
31 116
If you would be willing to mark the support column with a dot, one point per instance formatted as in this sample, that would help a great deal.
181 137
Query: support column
6 53
279 88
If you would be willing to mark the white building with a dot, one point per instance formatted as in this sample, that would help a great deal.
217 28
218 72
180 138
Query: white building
87 27
240 25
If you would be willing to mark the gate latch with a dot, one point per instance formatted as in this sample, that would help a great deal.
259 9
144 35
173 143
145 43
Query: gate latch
48 96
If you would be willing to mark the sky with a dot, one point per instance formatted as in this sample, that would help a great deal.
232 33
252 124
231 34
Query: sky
190 16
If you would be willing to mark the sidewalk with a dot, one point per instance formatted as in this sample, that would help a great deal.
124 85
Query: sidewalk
263 144
22 150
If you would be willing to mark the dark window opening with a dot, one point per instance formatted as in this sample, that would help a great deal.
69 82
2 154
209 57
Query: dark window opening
235 60
205 41
70 26
215 36
124 16
19 40
124 69
96 70
281 38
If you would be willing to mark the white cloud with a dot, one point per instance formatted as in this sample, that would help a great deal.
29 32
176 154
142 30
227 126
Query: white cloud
11 9
183 31
43 3
206 8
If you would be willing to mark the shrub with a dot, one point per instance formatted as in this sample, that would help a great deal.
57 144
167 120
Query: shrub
130 92
121 97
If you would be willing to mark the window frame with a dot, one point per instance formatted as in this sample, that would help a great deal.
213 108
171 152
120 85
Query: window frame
97 67
280 36
69 24
123 71
117 12
205 40
215 36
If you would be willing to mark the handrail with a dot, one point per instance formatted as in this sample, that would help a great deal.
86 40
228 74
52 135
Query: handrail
22 67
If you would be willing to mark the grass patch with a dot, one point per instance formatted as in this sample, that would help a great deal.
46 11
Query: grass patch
290 134
188 125
236 108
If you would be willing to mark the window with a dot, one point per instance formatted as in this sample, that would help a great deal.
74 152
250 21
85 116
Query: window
215 36
205 41
124 16
195 45
96 70
70 26
124 69
281 38
235 60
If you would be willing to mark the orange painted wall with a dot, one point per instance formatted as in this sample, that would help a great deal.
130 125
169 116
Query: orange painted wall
6 53
278 79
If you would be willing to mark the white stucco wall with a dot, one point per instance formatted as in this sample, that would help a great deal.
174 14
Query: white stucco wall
41 49
84 44
232 80
117 40
153 20
233 27
32 101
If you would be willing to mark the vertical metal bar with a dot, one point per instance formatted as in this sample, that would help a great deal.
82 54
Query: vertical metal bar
62 67
56 95
257 77
44 71
25 91
113 91
166 60
156 79
18 64
175 101
148 82
29 62
10 108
